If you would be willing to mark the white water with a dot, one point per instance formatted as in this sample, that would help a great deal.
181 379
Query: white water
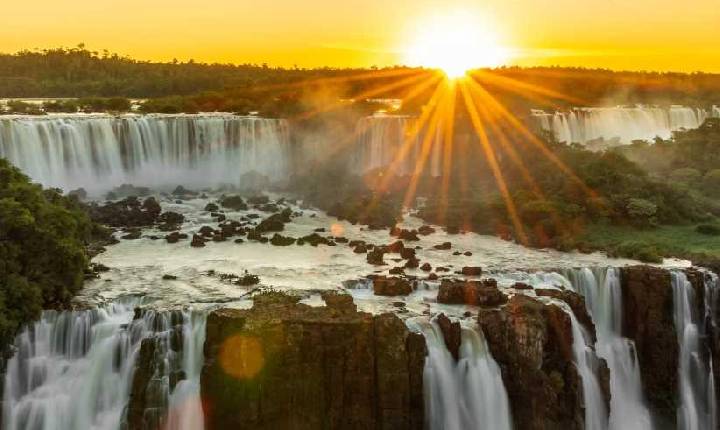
467 394
98 152
697 409
385 140
587 363
603 298
74 369
624 124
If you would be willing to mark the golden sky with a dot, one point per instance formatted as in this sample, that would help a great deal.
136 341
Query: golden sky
618 34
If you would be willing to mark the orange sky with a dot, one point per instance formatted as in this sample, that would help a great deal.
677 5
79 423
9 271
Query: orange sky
618 34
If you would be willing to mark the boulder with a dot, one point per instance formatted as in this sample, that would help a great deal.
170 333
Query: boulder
197 241
443 246
280 240
235 203
451 334
390 286
426 230
471 271
476 293
375 257
211 207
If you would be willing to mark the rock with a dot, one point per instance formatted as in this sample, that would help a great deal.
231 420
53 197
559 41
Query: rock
412 263
407 253
360 249
532 343
235 203
259 200
390 286
184 192
443 246
426 267
170 217
522 286
395 247
206 231
211 207
280 240
426 230
275 222
175 237
471 271
128 212
467 254
269 207
197 241
456 253
283 365
432 277
131 234
573 299
219 237
647 297
476 293
239 241
169 277
375 257
396 271
79 194
451 334
409 235
314 239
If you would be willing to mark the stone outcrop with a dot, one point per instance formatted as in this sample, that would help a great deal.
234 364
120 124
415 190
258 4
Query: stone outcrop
532 343
478 293
286 365
648 320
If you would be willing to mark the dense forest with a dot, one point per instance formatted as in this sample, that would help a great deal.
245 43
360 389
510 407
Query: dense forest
191 86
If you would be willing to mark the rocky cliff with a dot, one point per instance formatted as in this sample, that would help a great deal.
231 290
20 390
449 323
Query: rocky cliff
286 365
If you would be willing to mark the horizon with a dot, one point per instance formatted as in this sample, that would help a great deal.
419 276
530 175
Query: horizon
322 34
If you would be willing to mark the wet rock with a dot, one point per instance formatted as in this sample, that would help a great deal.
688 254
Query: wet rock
471 271
129 212
206 231
532 343
432 277
412 263
375 257
467 254
275 222
451 333
79 194
648 320
407 253
360 249
170 217
175 237
219 237
285 365
408 235
259 200
167 277
183 192
315 239
396 271
390 286
443 246
269 207
280 240
235 203
239 241
132 234
211 207
522 286
476 293
395 247
426 230
426 267
197 241
573 299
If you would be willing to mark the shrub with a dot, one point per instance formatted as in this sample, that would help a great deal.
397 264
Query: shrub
42 249
711 182
686 175
639 251
708 229
641 211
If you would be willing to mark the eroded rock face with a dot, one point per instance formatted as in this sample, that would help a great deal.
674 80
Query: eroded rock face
648 320
532 343
285 365
478 293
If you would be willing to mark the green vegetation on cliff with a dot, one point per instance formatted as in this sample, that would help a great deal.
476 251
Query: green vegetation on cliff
42 249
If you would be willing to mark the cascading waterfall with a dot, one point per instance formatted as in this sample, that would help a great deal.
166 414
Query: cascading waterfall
386 140
603 299
588 366
98 152
625 124
467 394
697 404
74 369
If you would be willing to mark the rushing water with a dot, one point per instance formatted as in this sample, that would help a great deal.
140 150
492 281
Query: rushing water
391 140
467 394
625 124
697 409
74 369
98 152
603 298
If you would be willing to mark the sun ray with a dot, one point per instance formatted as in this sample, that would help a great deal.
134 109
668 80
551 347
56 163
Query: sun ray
492 161
524 89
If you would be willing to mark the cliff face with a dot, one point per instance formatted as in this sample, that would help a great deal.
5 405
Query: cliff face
283 365
532 342
648 320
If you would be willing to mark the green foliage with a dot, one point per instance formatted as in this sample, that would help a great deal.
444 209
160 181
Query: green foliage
686 175
641 211
708 229
711 182
42 249
639 251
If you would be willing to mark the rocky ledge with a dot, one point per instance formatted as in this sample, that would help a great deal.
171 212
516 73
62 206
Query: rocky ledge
283 364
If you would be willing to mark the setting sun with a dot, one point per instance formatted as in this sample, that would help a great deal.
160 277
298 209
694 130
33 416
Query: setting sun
455 43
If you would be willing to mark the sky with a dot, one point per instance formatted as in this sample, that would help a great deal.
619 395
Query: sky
617 34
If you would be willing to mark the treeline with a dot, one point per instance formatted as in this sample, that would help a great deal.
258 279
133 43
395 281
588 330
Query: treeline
191 86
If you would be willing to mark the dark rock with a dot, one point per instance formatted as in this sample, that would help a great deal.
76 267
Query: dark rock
407 253
426 267
409 235
390 286
175 237
239 241
443 246
451 334
315 239
647 297
206 231
275 222
472 271
235 203
170 217
477 293
219 237
259 200
375 257
573 299
79 194
211 207
360 249
182 191
396 271
432 277
169 277
412 263
129 212
283 365
522 286
131 234
395 247
280 240
467 254
426 230
197 241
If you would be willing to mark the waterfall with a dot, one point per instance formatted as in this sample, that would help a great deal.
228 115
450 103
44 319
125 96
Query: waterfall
603 299
697 405
98 152
587 365
715 112
385 140
74 369
467 394
625 124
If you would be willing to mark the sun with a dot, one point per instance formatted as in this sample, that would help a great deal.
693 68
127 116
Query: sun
455 43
